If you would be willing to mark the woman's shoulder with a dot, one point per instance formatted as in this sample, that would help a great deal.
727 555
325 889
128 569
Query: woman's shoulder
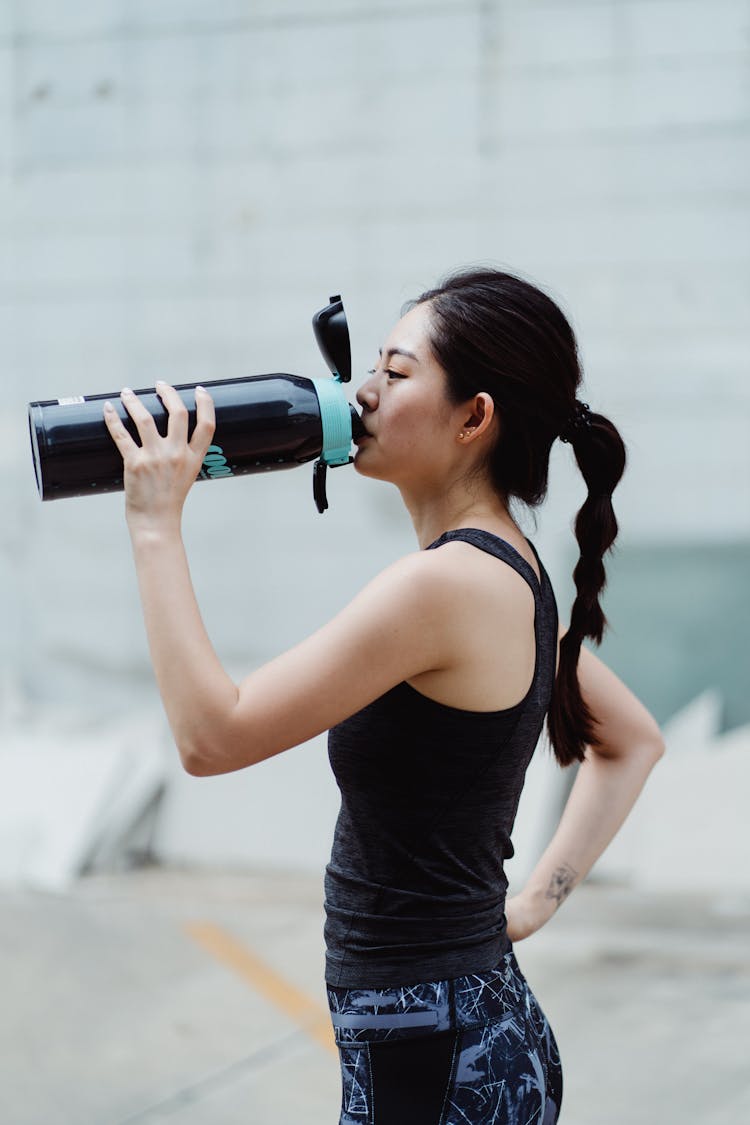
463 593
454 579
459 561
423 579
456 565
482 615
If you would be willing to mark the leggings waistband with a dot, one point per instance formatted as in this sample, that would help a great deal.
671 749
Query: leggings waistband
374 1014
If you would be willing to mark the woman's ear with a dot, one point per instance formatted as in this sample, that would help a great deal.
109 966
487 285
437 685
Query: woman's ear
478 416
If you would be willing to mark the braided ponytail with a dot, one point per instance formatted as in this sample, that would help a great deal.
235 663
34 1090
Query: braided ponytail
600 453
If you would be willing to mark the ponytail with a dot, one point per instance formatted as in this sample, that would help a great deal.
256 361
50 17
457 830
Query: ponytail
600 453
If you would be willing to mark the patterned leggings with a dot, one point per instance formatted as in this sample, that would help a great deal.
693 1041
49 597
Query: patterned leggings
469 1051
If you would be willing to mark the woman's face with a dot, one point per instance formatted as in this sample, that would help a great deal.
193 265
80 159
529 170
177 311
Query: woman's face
411 425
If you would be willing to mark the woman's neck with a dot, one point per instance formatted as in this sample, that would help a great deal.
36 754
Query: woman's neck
432 515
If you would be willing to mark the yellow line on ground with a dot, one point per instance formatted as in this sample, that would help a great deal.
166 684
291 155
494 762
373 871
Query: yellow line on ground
311 1016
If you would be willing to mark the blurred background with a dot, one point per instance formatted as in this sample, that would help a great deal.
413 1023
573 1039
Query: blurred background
182 185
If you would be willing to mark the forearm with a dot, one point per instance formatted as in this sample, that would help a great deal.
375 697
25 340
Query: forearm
197 693
604 792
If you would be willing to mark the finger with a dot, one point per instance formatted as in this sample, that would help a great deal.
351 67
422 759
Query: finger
118 433
177 426
205 422
144 422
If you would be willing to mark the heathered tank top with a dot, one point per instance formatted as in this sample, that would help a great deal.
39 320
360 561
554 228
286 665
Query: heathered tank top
415 888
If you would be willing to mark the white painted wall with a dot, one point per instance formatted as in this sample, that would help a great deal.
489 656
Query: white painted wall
182 184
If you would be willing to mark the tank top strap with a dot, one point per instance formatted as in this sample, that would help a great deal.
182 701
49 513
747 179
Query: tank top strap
498 547
545 616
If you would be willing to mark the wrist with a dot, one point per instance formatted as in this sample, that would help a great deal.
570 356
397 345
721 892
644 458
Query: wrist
147 535
526 912
538 904
548 892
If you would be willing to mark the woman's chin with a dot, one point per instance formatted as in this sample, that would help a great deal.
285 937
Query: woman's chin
359 455
361 465
364 468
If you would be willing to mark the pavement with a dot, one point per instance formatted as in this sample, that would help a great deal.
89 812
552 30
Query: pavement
197 998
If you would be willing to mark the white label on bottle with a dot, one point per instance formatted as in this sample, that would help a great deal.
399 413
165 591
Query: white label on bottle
72 400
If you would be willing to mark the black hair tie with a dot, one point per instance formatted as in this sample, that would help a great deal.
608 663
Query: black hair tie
580 419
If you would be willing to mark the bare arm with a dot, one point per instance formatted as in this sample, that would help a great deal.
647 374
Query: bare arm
384 635
606 787
389 632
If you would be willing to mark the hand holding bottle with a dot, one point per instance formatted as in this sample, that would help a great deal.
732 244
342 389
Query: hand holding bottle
160 472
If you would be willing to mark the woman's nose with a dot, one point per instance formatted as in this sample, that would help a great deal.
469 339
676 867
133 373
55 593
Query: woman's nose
367 395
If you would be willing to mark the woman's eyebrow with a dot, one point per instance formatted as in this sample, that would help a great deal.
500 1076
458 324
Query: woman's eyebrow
398 351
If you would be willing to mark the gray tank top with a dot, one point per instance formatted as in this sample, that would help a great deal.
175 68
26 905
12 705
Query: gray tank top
415 888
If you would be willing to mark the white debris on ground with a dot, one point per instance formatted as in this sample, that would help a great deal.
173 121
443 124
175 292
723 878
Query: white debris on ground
75 797
689 828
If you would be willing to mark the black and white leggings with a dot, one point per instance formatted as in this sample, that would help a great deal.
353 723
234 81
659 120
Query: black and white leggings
469 1051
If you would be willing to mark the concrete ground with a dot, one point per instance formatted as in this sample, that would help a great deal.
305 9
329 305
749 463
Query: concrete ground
197 999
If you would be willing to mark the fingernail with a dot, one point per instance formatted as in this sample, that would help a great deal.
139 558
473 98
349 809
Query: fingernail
200 388
160 383
126 391
109 407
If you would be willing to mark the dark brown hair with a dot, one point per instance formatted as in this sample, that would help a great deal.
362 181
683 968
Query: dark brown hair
492 331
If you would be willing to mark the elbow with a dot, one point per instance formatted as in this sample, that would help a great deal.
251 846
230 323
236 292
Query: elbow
204 746
197 757
654 742
651 750
208 757
647 749
194 762
658 749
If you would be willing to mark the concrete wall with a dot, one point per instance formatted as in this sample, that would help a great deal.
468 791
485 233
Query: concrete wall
182 184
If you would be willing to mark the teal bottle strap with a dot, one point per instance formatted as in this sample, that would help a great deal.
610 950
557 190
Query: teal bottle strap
336 419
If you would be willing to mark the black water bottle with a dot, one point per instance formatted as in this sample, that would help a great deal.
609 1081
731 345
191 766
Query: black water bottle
263 422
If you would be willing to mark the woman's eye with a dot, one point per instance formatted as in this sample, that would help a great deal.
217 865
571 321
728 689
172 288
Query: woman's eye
389 373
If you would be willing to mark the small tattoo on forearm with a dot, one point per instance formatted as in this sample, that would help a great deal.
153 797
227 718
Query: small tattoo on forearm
562 883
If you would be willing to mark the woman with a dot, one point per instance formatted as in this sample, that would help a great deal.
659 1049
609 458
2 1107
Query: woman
434 683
